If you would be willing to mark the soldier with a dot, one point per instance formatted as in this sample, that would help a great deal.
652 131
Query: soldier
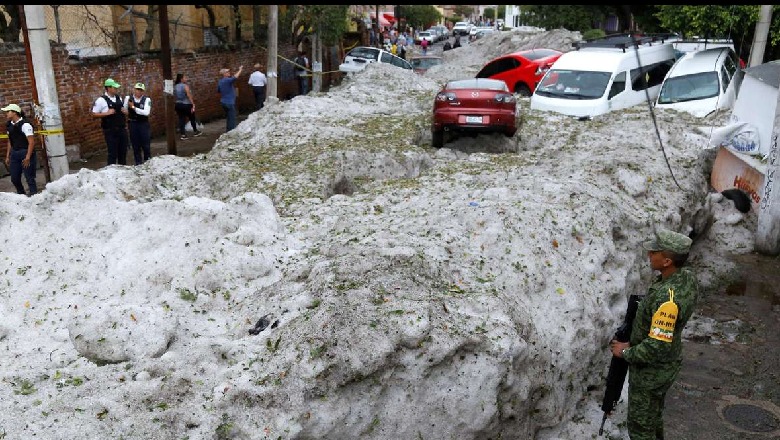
654 353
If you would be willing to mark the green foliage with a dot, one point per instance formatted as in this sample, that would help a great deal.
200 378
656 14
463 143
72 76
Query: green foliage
578 18
593 33
421 16
329 22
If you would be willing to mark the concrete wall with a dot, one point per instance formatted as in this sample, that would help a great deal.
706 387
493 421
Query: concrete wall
80 82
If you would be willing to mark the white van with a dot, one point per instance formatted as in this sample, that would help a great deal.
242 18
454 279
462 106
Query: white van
604 75
701 82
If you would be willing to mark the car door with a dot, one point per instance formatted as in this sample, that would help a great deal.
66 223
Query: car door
506 69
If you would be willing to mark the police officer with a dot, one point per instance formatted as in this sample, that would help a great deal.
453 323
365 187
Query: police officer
20 154
112 113
654 353
139 106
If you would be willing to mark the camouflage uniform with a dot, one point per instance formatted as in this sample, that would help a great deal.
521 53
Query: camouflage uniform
653 363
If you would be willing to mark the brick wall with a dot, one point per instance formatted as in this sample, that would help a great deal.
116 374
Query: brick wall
80 82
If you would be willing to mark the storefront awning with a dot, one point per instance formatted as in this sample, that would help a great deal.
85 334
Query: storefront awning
385 18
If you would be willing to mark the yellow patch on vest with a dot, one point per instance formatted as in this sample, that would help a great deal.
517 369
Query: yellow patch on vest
662 325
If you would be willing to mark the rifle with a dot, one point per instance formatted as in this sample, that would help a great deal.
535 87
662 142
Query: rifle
618 367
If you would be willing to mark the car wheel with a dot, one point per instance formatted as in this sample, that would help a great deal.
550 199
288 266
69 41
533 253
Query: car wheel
522 90
437 138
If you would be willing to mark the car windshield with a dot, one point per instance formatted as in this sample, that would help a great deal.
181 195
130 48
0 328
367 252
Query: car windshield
689 88
573 84
424 63
425 34
478 83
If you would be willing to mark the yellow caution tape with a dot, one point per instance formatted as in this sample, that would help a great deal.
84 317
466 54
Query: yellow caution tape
41 132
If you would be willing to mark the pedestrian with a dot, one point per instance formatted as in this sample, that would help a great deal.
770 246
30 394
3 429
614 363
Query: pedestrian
424 45
139 106
301 72
654 351
112 113
258 82
185 106
20 155
227 91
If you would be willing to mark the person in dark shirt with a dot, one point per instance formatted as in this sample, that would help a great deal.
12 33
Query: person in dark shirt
112 113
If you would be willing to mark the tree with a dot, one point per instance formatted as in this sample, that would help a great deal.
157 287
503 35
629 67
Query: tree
421 16
464 11
11 28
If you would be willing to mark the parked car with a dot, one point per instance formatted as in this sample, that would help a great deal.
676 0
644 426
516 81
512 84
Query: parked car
461 28
425 35
482 32
701 82
359 57
421 63
443 31
522 70
475 105
474 29
604 75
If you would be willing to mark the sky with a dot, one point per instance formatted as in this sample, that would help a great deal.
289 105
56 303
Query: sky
324 273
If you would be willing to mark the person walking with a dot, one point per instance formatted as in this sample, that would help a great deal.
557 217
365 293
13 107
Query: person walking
185 106
227 91
139 106
258 82
20 155
654 351
424 46
301 72
112 113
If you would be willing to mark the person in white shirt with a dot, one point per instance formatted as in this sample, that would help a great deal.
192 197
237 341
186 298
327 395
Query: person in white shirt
139 106
258 81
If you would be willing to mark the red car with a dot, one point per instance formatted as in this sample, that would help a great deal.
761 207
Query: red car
475 105
522 70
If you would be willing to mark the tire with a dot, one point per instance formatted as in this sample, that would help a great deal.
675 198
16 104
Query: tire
437 138
522 90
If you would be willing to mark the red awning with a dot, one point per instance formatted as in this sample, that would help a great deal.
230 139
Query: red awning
385 18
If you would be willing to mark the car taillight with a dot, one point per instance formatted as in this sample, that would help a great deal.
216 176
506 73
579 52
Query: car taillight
505 97
445 96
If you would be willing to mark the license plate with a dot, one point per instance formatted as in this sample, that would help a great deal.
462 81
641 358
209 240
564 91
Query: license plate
473 119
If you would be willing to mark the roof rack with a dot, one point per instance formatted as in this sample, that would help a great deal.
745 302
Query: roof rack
622 41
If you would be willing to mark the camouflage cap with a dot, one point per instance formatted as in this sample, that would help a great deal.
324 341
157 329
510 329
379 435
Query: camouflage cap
666 240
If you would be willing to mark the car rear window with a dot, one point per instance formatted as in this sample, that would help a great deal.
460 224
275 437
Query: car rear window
478 83
369 53
539 53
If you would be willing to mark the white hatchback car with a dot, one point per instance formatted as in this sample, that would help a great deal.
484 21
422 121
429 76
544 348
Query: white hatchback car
701 82
357 59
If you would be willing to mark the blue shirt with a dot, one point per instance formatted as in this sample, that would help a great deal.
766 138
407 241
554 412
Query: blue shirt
226 90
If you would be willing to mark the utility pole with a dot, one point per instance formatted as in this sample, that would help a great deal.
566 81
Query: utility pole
767 240
45 88
759 38
165 59
273 48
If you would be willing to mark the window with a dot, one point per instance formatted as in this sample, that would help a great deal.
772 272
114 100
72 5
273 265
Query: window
618 85
650 76
498 66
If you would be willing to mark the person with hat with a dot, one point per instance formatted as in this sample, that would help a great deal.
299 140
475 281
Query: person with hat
139 106
112 113
20 154
654 350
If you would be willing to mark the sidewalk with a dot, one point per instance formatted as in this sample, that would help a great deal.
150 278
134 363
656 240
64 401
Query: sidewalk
184 148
